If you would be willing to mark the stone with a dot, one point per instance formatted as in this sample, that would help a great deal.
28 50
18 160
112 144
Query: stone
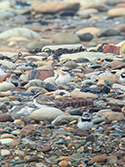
108 32
66 46
81 133
38 44
3 136
65 38
67 118
39 83
5 5
111 116
53 7
116 12
19 32
6 14
122 48
70 64
28 130
117 64
5 118
41 74
120 28
5 152
77 93
6 141
15 142
45 114
92 30
111 49
85 36
98 158
86 12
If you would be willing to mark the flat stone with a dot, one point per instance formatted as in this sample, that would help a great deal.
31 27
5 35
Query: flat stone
5 152
65 38
111 116
6 141
116 12
53 7
45 113
77 93
19 32
28 130
81 133
98 158
92 30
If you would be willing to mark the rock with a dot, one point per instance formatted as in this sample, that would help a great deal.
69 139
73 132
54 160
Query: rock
81 133
68 46
4 136
88 55
88 12
108 32
122 48
120 28
77 93
68 118
41 74
5 118
45 114
48 86
116 12
117 64
65 38
5 152
111 49
19 32
53 7
4 86
14 143
111 116
98 158
5 5
71 64
92 30
85 36
38 44
28 130
6 14
107 75
6 141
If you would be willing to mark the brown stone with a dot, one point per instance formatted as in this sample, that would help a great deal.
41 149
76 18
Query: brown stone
117 64
39 74
81 133
120 28
63 163
51 7
116 12
43 148
28 130
5 118
99 158
14 143
80 75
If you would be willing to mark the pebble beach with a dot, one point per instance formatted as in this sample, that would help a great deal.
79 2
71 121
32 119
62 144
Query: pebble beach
84 39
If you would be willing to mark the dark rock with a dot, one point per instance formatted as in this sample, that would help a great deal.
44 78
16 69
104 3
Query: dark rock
81 133
5 118
85 36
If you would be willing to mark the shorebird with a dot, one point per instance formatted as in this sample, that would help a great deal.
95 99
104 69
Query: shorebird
122 77
62 77
41 100
85 122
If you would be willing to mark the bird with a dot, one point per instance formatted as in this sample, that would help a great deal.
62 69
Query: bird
63 76
41 100
85 122
122 77
13 79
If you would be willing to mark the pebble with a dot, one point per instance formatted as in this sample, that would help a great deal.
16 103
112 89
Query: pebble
86 37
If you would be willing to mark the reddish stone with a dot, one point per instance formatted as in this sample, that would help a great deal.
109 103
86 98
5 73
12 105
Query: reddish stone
4 77
117 64
121 5
89 71
120 28
28 130
81 133
5 118
39 74
111 49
